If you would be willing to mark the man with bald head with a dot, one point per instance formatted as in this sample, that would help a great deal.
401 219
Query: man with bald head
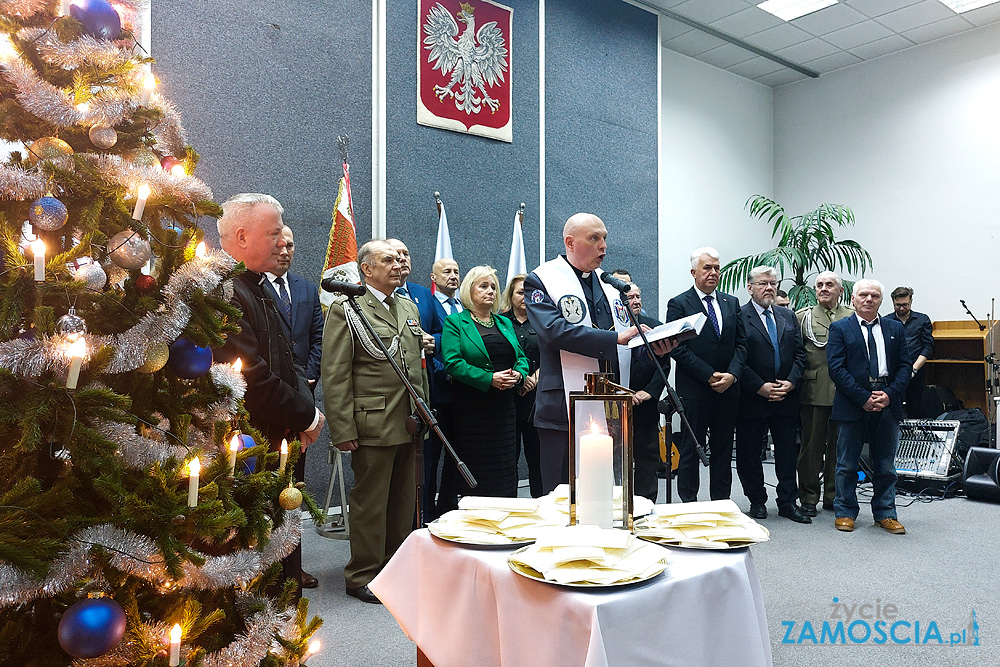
583 327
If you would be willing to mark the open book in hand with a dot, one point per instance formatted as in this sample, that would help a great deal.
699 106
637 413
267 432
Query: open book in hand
677 330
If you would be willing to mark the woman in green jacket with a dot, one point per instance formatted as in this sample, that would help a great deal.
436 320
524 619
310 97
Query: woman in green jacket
481 353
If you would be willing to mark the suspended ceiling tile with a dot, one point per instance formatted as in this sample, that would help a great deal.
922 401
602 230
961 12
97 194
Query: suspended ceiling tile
808 50
751 20
873 50
829 19
755 67
781 77
932 31
923 13
726 55
706 12
670 28
983 15
835 61
778 37
875 8
694 43
855 35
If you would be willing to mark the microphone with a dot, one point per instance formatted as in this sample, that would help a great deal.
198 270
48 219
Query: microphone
619 285
342 287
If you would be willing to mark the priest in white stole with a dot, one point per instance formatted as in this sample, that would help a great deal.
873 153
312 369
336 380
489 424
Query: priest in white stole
583 327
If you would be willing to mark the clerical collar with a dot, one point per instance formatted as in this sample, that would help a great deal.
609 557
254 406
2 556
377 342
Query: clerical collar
583 275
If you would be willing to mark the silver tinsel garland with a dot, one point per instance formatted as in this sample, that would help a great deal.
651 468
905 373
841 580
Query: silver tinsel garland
31 358
185 190
84 51
136 450
17 184
27 8
225 376
138 556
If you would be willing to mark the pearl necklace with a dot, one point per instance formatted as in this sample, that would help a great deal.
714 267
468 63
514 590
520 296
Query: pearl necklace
485 324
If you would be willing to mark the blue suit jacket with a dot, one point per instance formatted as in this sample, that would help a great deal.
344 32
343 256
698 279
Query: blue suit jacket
847 358
759 366
306 325
432 321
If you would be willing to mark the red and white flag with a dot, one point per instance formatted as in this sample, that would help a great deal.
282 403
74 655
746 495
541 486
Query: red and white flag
342 249
516 264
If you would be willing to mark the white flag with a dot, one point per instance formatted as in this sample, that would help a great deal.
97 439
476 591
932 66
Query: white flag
516 264
443 250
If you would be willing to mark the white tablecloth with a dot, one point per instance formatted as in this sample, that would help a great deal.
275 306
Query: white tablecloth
465 607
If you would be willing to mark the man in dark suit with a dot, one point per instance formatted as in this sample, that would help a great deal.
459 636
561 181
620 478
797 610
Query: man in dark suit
708 367
645 380
870 365
277 396
919 335
769 396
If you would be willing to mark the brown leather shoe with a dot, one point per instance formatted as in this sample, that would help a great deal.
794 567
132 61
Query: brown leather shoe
309 581
844 523
890 526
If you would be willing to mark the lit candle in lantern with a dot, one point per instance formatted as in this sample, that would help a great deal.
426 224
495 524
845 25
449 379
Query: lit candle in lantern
38 249
234 448
148 84
596 478
77 351
175 644
194 471
140 202
283 457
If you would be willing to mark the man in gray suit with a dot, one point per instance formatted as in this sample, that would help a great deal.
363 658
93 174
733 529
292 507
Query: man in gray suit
368 406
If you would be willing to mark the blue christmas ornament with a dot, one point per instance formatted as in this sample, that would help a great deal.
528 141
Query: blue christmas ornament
92 627
249 463
48 213
99 18
188 360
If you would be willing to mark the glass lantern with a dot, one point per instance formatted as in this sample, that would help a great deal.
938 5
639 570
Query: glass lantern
601 461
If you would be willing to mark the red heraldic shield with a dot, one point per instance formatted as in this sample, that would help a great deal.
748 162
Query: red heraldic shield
464 67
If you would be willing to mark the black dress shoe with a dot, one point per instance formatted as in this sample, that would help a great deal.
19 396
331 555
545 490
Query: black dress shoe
809 509
309 581
757 511
794 513
363 594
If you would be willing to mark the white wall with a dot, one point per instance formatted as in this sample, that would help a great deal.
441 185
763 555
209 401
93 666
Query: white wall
715 152
911 142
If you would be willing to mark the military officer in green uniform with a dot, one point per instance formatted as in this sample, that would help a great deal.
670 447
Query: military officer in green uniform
368 406
819 435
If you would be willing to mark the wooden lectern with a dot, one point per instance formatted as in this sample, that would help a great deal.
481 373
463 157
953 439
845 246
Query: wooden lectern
959 363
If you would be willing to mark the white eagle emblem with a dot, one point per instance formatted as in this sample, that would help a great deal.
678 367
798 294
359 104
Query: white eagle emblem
474 66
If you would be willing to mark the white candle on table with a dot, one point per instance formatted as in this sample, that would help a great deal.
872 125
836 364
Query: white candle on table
77 351
595 482
38 249
175 644
140 203
194 471
234 448
283 457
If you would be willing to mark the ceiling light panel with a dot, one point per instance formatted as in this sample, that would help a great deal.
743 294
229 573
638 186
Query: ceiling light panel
964 5
787 10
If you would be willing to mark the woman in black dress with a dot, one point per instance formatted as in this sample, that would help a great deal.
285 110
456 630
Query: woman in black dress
481 353
512 305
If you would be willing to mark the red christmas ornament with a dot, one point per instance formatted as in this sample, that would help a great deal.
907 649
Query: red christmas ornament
145 284
168 162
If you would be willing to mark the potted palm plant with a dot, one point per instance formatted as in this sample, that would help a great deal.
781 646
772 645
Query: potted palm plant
806 246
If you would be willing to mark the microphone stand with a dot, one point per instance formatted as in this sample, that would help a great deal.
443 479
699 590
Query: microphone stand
982 327
672 403
428 420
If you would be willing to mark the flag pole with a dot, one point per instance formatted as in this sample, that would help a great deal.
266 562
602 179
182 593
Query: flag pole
520 214
437 201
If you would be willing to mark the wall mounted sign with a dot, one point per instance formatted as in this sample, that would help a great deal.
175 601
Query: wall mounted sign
464 67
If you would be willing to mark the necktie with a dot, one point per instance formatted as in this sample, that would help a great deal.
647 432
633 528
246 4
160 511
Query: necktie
401 291
712 316
451 301
390 303
872 349
283 295
772 332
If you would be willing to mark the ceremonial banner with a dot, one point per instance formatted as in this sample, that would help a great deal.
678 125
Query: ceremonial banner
464 67
516 265
342 249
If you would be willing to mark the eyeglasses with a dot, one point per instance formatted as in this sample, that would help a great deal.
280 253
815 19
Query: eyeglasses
766 283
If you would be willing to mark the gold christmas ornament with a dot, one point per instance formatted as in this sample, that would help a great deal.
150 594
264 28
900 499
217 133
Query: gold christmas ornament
290 498
157 354
144 156
48 148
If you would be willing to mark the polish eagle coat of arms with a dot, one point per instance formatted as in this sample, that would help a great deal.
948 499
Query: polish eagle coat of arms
463 71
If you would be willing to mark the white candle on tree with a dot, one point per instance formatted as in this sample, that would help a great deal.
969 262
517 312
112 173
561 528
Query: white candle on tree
140 203
175 644
194 471
234 449
38 250
77 351
595 482
283 457
148 84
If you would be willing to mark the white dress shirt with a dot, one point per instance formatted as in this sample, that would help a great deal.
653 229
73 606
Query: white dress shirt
715 304
883 364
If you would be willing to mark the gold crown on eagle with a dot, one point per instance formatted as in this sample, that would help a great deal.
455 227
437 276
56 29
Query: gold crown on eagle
467 8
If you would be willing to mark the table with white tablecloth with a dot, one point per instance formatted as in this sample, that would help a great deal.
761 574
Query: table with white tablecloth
464 606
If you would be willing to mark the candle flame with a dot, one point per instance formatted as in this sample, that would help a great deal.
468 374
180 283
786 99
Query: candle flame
149 81
78 348
284 446
200 250
594 428
234 444
83 107
194 466
238 365
178 170
38 247
143 191
175 632
314 647
7 50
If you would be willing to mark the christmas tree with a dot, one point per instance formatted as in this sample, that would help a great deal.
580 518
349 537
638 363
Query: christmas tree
140 524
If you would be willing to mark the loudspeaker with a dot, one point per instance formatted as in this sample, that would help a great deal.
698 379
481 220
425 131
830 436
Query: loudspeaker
981 480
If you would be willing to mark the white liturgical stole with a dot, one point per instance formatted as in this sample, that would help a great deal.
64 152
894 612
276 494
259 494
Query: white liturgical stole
564 288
